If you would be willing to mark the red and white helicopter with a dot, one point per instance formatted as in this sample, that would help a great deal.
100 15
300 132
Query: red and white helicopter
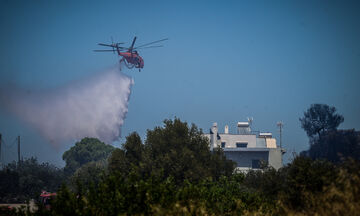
130 55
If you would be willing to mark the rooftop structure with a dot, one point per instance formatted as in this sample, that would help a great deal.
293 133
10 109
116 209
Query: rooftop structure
247 148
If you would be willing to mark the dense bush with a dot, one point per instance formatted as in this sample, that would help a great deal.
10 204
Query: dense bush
336 146
24 180
175 150
85 151
20 181
117 195
304 187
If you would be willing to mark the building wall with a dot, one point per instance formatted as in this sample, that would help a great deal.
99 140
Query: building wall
243 159
261 143
232 139
275 158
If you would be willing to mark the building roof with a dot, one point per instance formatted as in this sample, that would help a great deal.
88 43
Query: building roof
247 149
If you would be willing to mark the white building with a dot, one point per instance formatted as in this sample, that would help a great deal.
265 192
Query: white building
247 148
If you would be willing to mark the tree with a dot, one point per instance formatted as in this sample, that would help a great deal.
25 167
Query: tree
117 162
268 181
89 173
304 176
87 150
183 152
177 150
134 148
320 118
174 150
26 179
335 145
128 158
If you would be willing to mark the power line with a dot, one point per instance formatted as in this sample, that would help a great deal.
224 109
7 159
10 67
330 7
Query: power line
8 146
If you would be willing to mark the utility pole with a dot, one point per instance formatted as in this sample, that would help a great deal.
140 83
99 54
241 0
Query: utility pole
18 139
280 124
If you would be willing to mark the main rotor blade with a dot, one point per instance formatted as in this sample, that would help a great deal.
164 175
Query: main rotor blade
149 47
120 48
152 43
132 45
109 45
103 50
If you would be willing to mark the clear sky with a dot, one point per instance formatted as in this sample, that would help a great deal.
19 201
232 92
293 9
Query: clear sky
225 61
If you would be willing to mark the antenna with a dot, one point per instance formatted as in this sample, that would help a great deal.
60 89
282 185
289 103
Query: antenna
18 139
250 120
280 124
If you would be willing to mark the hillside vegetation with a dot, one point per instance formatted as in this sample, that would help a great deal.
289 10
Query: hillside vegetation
173 172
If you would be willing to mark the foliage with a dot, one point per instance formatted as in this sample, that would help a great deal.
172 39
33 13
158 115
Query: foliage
117 162
85 162
268 181
175 173
134 196
302 176
320 118
87 150
26 179
68 202
304 187
175 150
88 173
290 183
331 144
335 146
339 197
134 149
123 161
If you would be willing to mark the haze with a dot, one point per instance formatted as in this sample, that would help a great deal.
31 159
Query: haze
223 63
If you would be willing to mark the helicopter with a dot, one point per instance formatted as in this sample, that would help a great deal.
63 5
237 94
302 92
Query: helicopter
130 55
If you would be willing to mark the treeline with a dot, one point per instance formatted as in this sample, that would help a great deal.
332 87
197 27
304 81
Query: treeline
24 180
320 122
173 172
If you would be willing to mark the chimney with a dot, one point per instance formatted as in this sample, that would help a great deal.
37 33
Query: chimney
226 129
213 136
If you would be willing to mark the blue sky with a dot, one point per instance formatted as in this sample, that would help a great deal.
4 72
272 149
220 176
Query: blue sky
224 61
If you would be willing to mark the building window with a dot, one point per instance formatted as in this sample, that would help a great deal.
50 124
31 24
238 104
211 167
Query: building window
223 144
241 145
256 164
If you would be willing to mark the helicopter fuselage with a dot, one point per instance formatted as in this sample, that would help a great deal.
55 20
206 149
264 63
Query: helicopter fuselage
132 58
